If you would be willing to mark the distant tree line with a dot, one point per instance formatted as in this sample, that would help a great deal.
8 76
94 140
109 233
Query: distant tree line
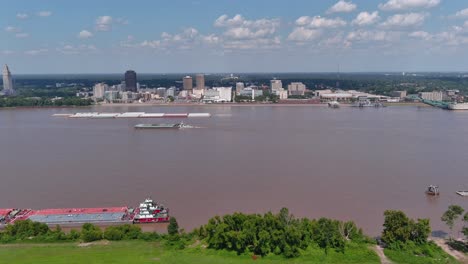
42 102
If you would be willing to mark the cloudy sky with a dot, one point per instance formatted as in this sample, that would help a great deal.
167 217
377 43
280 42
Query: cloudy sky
160 36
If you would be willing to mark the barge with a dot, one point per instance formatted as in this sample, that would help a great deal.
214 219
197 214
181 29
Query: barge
96 115
154 213
162 126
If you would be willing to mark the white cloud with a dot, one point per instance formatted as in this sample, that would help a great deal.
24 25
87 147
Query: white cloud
36 51
22 35
366 36
71 49
44 13
261 44
12 29
302 34
7 52
366 18
104 23
420 35
22 16
462 13
405 20
240 28
85 34
342 7
392 5
320 22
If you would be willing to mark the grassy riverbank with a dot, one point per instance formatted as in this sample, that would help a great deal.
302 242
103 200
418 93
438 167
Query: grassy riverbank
155 252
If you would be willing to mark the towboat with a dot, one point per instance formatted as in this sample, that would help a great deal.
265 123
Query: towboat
161 126
432 190
151 212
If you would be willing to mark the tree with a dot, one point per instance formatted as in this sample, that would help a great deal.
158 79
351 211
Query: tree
396 227
173 227
452 214
90 232
465 228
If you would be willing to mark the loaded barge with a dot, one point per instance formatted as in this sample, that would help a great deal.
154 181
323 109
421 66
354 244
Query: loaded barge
147 212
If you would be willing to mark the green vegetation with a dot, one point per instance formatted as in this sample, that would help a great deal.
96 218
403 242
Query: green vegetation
236 238
450 217
42 102
279 234
406 240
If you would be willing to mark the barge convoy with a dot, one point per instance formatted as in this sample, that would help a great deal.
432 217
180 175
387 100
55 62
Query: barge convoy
148 211
96 115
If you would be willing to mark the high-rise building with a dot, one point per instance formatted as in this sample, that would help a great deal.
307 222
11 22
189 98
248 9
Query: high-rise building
296 88
131 81
99 90
188 83
200 79
239 87
8 88
276 85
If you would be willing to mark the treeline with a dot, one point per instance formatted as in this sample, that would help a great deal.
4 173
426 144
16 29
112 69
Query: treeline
43 102
280 234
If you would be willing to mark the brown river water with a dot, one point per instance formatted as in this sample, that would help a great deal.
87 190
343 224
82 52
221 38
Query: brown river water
348 163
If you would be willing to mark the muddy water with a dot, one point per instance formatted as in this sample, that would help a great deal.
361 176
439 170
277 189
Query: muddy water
343 163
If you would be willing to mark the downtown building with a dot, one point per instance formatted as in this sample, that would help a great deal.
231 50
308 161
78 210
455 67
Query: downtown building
8 88
296 88
200 82
131 81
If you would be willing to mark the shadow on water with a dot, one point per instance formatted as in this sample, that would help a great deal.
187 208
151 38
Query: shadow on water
439 234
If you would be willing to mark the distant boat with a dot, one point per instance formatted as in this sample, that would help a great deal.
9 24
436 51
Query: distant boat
334 104
162 126
432 190
367 103
463 193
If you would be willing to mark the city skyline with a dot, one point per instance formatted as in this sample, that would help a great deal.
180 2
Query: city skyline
242 36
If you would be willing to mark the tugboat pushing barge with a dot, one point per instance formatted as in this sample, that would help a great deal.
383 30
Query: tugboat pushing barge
151 212
147 212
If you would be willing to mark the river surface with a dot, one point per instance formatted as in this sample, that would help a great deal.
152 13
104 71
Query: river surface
348 163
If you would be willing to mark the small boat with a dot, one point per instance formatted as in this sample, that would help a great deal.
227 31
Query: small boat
463 193
432 190
161 126
334 104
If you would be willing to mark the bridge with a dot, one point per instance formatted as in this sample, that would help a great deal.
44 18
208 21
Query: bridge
439 104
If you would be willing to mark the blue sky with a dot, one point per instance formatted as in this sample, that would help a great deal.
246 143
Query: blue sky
156 36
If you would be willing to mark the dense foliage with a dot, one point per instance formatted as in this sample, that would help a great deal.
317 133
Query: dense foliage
281 234
43 102
453 213
400 230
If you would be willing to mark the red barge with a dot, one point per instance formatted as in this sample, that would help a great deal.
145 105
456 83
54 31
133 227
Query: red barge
148 212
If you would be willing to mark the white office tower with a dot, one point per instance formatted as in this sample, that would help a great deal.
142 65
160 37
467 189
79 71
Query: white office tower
8 88
276 85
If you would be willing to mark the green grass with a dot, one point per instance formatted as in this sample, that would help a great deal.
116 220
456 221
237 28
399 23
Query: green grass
427 254
150 252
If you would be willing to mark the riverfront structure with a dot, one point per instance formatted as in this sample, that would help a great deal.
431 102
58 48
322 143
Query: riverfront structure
188 83
433 96
200 79
296 88
276 85
131 81
8 88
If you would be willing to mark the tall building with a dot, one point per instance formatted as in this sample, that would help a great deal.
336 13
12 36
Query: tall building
276 85
8 88
188 83
296 88
131 81
200 79
239 87
99 90
433 96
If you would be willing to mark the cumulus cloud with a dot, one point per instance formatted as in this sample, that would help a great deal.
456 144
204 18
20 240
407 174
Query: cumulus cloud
35 51
302 34
44 13
462 13
366 18
12 29
393 5
370 35
104 23
420 35
320 22
405 20
22 16
85 34
72 50
22 35
7 52
342 7
238 27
